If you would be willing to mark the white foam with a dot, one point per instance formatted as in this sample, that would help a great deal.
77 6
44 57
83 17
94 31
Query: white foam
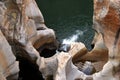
73 38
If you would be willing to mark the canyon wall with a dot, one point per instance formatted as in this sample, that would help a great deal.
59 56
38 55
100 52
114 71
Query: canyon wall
106 21
23 32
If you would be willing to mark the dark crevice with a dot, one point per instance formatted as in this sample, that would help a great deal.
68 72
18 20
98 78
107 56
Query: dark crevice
92 46
28 70
47 53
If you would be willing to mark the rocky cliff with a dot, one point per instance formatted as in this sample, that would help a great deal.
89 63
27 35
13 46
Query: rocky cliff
23 32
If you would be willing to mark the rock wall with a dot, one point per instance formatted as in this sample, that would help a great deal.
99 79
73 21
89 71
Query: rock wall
22 32
8 64
107 22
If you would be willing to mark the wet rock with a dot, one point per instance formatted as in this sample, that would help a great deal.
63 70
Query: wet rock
88 68
64 47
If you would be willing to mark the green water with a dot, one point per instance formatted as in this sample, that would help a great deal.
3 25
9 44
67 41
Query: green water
67 16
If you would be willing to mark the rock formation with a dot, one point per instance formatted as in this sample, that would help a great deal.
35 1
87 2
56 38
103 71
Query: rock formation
107 22
23 27
22 32
8 64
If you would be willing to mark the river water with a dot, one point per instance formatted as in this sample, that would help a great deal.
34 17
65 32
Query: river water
70 19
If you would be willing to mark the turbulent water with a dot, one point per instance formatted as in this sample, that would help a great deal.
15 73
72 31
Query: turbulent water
70 19
74 29
73 38
72 22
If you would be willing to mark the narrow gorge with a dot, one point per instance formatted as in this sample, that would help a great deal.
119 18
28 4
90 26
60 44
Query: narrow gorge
67 45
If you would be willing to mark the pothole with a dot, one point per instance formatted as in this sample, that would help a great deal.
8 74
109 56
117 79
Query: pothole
46 53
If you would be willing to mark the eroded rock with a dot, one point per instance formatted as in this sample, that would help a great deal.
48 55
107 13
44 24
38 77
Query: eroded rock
8 65
106 23
23 26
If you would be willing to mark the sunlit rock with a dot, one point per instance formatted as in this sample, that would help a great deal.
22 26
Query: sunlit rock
77 50
66 70
81 54
23 26
24 31
60 66
99 54
48 66
8 65
107 22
